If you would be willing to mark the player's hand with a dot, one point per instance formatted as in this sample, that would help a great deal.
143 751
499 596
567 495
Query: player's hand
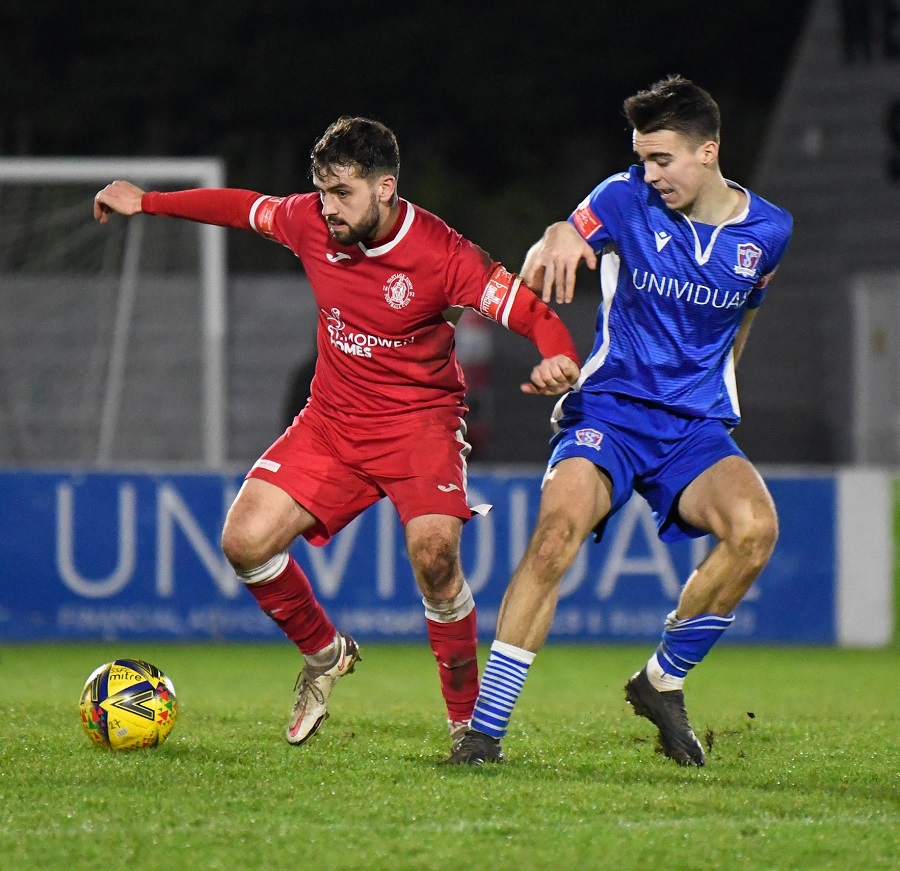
551 263
121 197
552 376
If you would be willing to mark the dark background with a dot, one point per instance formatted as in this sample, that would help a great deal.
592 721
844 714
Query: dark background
507 113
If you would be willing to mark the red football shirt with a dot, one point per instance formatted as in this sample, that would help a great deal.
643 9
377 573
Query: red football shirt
386 311
385 331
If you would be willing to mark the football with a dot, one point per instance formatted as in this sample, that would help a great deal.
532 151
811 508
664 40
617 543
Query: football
128 704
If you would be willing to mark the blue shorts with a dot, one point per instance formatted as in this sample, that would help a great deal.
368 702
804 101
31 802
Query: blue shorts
642 448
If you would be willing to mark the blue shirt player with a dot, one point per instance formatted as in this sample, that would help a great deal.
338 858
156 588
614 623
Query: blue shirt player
684 257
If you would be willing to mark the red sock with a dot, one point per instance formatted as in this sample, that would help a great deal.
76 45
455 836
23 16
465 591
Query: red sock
289 600
455 649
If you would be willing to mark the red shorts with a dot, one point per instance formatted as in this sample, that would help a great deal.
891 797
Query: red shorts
335 472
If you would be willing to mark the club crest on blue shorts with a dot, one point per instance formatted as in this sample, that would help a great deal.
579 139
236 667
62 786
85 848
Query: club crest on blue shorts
589 437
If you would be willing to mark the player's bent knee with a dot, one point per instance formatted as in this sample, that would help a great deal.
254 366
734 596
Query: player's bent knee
244 548
755 536
437 569
554 545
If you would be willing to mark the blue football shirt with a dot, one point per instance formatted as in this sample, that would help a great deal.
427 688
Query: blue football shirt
673 295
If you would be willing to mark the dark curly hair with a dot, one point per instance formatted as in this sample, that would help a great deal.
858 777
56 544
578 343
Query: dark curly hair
675 103
368 145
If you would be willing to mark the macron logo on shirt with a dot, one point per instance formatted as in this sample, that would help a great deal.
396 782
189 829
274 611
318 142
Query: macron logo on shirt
662 239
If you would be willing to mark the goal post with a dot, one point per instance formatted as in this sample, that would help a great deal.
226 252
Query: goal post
47 243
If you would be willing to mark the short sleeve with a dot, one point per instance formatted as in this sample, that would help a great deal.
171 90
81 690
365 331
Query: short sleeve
754 300
599 217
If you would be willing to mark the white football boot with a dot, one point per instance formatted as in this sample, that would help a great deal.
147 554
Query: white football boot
314 686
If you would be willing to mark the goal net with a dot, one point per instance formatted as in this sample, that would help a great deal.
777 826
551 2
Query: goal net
112 337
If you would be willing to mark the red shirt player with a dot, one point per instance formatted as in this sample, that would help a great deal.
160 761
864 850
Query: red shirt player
385 414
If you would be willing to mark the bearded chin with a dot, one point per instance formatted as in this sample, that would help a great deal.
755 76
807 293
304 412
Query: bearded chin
364 231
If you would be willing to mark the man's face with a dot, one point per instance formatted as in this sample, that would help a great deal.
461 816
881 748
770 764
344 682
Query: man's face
350 204
676 166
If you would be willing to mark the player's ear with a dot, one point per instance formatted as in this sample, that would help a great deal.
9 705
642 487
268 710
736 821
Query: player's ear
386 189
709 152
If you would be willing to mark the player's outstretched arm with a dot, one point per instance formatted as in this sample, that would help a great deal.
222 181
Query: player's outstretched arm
515 305
552 376
551 263
121 197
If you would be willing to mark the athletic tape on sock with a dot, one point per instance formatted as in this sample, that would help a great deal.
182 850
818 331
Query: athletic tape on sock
266 572
327 656
450 612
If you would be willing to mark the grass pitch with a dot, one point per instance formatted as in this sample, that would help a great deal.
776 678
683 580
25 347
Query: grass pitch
804 770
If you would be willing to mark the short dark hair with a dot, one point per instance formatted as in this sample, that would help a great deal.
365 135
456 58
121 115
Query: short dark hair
368 145
674 103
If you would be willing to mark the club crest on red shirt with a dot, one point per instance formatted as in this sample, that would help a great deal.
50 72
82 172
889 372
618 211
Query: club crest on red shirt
398 291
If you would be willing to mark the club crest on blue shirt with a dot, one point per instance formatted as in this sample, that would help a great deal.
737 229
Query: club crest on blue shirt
589 437
748 256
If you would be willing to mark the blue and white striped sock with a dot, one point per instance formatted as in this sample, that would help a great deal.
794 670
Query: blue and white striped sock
502 681
684 644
